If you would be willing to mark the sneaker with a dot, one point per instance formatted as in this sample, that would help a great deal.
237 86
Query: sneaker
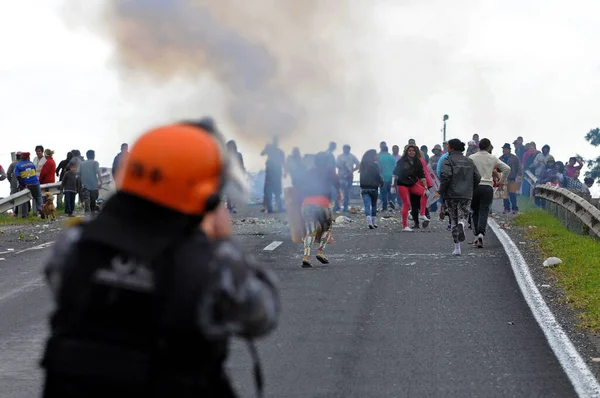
391 205
461 232
322 258
449 227
506 211
516 212
456 252
416 226
475 242
306 262
425 221
234 210
407 229
480 241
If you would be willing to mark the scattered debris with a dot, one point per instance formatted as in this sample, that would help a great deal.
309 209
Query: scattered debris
595 359
552 261
342 220
522 243
546 286
511 323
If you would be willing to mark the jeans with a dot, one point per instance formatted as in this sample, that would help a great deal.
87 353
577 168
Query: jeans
346 187
525 188
385 194
512 200
482 201
370 200
36 192
70 202
89 197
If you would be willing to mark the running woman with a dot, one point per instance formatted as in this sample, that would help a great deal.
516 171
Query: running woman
370 181
316 190
409 177
459 178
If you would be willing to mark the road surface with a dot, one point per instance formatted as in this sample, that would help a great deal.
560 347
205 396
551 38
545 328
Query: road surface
393 315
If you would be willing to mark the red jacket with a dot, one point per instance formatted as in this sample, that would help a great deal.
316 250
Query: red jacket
47 173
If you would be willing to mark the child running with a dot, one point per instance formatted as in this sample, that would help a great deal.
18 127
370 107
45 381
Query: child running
370 181
409 178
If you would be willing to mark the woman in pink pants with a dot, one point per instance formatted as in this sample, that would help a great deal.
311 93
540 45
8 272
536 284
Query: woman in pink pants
409 177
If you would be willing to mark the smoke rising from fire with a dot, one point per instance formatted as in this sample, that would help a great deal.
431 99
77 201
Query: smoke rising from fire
286 67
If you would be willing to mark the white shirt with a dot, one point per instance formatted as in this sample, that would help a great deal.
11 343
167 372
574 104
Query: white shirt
39 163
486 163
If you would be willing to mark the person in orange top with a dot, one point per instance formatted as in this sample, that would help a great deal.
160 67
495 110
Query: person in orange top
315 189
47 173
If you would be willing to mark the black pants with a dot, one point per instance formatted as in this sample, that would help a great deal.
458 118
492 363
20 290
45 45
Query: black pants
482 201
415 205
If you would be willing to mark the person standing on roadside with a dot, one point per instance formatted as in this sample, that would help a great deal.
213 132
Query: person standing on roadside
12 179
514 179
26 175
396 152
459 178
387 163
91 181
119 160
346 164
483 196
39 159
370 182
47 173
233 151
273 175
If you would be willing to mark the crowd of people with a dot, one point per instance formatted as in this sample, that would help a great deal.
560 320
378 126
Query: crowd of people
78 176
461 180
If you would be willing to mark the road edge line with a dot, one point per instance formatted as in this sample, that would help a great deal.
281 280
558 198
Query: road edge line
568 356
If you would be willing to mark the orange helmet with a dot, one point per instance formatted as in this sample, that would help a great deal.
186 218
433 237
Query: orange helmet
183 167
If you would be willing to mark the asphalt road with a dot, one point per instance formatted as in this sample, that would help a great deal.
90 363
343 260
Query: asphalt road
393 315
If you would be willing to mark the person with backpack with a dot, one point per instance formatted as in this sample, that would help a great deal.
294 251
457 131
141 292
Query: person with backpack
149 293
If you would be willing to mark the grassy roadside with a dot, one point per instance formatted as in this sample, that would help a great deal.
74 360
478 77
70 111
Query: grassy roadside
6 219
579 274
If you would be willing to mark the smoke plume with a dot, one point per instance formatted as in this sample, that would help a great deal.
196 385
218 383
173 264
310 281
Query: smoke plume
284 66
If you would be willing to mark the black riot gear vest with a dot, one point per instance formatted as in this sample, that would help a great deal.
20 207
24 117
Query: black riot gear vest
126 322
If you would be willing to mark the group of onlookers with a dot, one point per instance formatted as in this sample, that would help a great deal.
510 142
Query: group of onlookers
78 176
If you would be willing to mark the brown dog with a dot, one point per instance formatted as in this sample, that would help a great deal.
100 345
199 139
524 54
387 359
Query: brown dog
48 207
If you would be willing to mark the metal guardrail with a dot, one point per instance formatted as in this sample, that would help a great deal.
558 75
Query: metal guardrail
586 212
25 196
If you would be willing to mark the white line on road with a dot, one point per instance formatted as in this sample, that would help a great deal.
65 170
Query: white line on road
583 380
38 247
31 285
273 245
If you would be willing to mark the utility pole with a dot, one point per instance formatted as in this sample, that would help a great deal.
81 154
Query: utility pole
445 118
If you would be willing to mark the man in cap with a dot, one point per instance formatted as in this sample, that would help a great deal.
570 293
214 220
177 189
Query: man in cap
25 172
519 148
514 179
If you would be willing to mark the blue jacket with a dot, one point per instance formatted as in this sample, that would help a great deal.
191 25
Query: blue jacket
438 169
25 173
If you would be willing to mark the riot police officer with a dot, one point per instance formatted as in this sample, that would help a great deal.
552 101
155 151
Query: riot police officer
149 292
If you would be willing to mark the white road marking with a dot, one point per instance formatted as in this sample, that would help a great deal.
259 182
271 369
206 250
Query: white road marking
273 245
38 247
583 380
31 285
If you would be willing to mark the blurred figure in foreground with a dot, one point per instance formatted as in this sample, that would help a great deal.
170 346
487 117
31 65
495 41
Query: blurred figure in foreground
149 293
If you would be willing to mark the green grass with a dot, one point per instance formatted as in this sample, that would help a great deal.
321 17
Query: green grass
579 273
6 219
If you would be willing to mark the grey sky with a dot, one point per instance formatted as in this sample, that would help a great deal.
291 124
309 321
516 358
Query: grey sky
368 73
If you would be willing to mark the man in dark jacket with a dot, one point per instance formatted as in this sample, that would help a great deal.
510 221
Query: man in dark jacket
458 179
149 293
514 178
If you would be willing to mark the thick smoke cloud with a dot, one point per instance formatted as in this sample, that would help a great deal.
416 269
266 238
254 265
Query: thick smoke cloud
284 65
